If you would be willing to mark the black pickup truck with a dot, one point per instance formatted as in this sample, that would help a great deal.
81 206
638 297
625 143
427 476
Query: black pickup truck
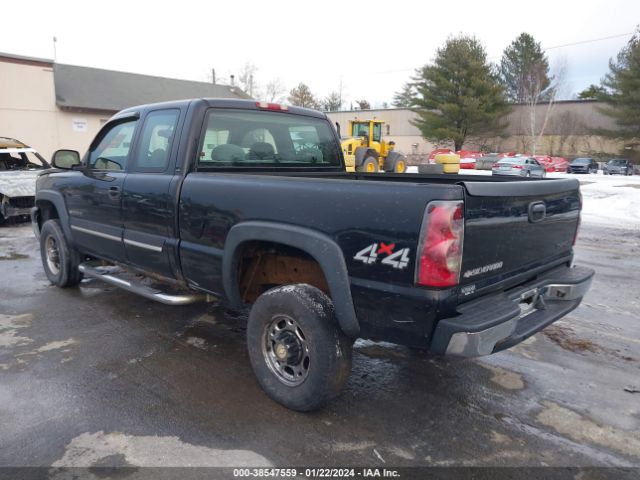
249 202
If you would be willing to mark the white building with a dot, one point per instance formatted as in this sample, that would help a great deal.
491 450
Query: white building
50 106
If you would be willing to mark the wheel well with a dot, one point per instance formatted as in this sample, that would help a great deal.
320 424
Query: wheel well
372 153
264 265
47 211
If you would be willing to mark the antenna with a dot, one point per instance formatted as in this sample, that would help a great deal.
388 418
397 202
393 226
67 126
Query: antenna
55 56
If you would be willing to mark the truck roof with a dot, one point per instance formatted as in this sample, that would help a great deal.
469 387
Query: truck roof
221 103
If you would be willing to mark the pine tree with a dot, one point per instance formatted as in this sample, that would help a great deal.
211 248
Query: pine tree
524 70
622 92
404 98
459 96
591 92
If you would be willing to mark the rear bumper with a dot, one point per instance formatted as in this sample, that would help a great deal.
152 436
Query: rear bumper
509 173
497 322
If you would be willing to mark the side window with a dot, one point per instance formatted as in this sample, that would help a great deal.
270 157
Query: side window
156 140
113 150
377 132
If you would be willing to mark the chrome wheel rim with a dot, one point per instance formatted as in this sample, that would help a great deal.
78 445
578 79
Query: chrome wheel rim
52 255
286 350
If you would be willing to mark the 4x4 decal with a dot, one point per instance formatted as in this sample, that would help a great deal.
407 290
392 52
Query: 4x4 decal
369 255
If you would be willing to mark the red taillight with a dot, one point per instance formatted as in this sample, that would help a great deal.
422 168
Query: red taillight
495 165
516 166
272 106
440 251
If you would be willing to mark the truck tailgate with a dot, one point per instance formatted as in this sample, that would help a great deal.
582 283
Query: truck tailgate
516 227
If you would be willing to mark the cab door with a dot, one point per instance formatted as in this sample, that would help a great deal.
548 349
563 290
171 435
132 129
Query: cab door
149 210
94 201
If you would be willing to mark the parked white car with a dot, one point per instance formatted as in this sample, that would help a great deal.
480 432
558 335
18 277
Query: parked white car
19 168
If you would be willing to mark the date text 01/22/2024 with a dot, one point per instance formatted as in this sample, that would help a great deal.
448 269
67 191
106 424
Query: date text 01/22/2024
316 473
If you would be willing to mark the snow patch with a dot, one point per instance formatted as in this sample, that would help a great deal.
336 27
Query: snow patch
197 342
89 449
608 200
56 345
9 325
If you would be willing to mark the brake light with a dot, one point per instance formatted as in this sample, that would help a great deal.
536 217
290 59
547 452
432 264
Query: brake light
495 165
516 166
441 243
272 106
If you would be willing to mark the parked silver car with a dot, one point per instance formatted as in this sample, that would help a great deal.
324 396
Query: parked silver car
618 166
519 167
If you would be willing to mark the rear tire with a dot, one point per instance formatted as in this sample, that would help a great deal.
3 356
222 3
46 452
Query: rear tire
59 260
298 353
400 166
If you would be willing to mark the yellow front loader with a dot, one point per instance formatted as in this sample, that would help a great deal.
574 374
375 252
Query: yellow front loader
365 150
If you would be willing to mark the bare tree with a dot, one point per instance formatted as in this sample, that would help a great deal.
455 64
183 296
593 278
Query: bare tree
565 127
332 103
363 104
535 96
275 90
247 81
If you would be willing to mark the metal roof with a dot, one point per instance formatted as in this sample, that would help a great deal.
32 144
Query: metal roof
23 58
108 90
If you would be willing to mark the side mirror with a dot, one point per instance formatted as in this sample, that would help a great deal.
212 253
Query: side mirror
65 159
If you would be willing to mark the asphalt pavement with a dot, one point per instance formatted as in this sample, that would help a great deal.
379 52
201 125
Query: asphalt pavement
95 376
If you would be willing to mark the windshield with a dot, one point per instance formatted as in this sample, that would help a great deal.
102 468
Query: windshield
617 163
241 138
21 159
581 161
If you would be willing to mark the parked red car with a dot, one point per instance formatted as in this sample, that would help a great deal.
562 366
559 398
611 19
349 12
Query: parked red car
560 164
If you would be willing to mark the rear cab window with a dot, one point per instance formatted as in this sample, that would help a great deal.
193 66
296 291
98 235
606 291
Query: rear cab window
245 138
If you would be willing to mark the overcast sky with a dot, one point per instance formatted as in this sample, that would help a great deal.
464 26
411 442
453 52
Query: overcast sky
372 47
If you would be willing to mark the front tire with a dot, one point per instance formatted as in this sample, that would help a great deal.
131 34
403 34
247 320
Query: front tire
298 353
370 165
59 260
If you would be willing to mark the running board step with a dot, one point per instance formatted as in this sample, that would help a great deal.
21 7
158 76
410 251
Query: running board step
143 290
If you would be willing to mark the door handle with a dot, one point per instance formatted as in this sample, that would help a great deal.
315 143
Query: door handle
114 191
